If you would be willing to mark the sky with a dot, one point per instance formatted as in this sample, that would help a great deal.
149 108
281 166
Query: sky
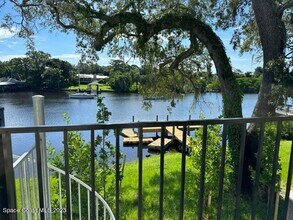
63 46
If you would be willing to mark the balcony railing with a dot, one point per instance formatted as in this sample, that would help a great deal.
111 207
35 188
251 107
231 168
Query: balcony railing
6 144
26 170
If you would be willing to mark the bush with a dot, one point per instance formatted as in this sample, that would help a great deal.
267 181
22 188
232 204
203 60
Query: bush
266 166
79 164
287 130
213 163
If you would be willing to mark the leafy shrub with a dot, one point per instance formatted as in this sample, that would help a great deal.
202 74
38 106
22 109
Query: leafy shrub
79 164
266 165
287 130
213 163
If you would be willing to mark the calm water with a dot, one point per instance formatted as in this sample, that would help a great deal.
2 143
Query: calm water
19 111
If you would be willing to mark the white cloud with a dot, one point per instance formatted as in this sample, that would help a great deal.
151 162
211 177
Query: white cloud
6 33
105 59
9 57
72 58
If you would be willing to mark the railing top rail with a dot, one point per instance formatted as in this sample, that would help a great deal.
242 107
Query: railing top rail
96 126
20 159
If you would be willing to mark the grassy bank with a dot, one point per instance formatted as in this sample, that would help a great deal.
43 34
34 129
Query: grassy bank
285 150
103 88
172 177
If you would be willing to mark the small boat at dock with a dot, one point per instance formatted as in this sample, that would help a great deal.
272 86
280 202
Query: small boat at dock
81 95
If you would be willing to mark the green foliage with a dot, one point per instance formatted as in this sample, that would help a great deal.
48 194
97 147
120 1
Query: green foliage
172 179
52 78
246 84
267 158
213 162
287 130
249 84
123 77
120 81
38 70
79 161
284 155
214 85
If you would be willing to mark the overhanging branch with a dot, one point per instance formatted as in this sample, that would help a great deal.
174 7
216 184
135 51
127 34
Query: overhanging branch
286 5
184 55
58 20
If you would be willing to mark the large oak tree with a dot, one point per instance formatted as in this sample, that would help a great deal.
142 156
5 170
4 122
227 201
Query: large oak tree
137 28
174 36
265 27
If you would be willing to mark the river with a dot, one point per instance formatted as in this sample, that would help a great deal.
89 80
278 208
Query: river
19 110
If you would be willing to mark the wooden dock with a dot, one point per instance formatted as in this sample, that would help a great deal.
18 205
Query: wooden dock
129 132
191 127
178 134
156 145
131 138
151 129
135 140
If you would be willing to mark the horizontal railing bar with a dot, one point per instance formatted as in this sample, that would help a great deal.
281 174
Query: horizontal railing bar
59 128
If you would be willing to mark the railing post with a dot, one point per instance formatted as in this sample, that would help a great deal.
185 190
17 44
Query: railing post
2 124
39 119
7 185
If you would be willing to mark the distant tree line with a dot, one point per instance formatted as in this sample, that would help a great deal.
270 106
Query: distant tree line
249 82
38 70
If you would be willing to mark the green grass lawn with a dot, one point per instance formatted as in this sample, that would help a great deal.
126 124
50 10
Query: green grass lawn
103 88
172 177
284 154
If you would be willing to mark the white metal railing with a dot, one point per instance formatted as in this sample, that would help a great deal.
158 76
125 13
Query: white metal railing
27 190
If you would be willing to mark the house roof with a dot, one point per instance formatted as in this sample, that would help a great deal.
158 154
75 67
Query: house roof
8 82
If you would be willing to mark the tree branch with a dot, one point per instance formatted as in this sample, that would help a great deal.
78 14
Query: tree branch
283 7
184 55
58 20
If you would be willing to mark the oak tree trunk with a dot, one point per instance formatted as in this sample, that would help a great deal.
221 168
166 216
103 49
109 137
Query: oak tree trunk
272 34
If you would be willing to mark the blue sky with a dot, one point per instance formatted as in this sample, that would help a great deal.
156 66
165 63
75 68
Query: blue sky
63 46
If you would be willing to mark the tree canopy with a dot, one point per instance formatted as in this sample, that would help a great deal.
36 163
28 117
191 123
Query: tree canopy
175 40
38 70
175 36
